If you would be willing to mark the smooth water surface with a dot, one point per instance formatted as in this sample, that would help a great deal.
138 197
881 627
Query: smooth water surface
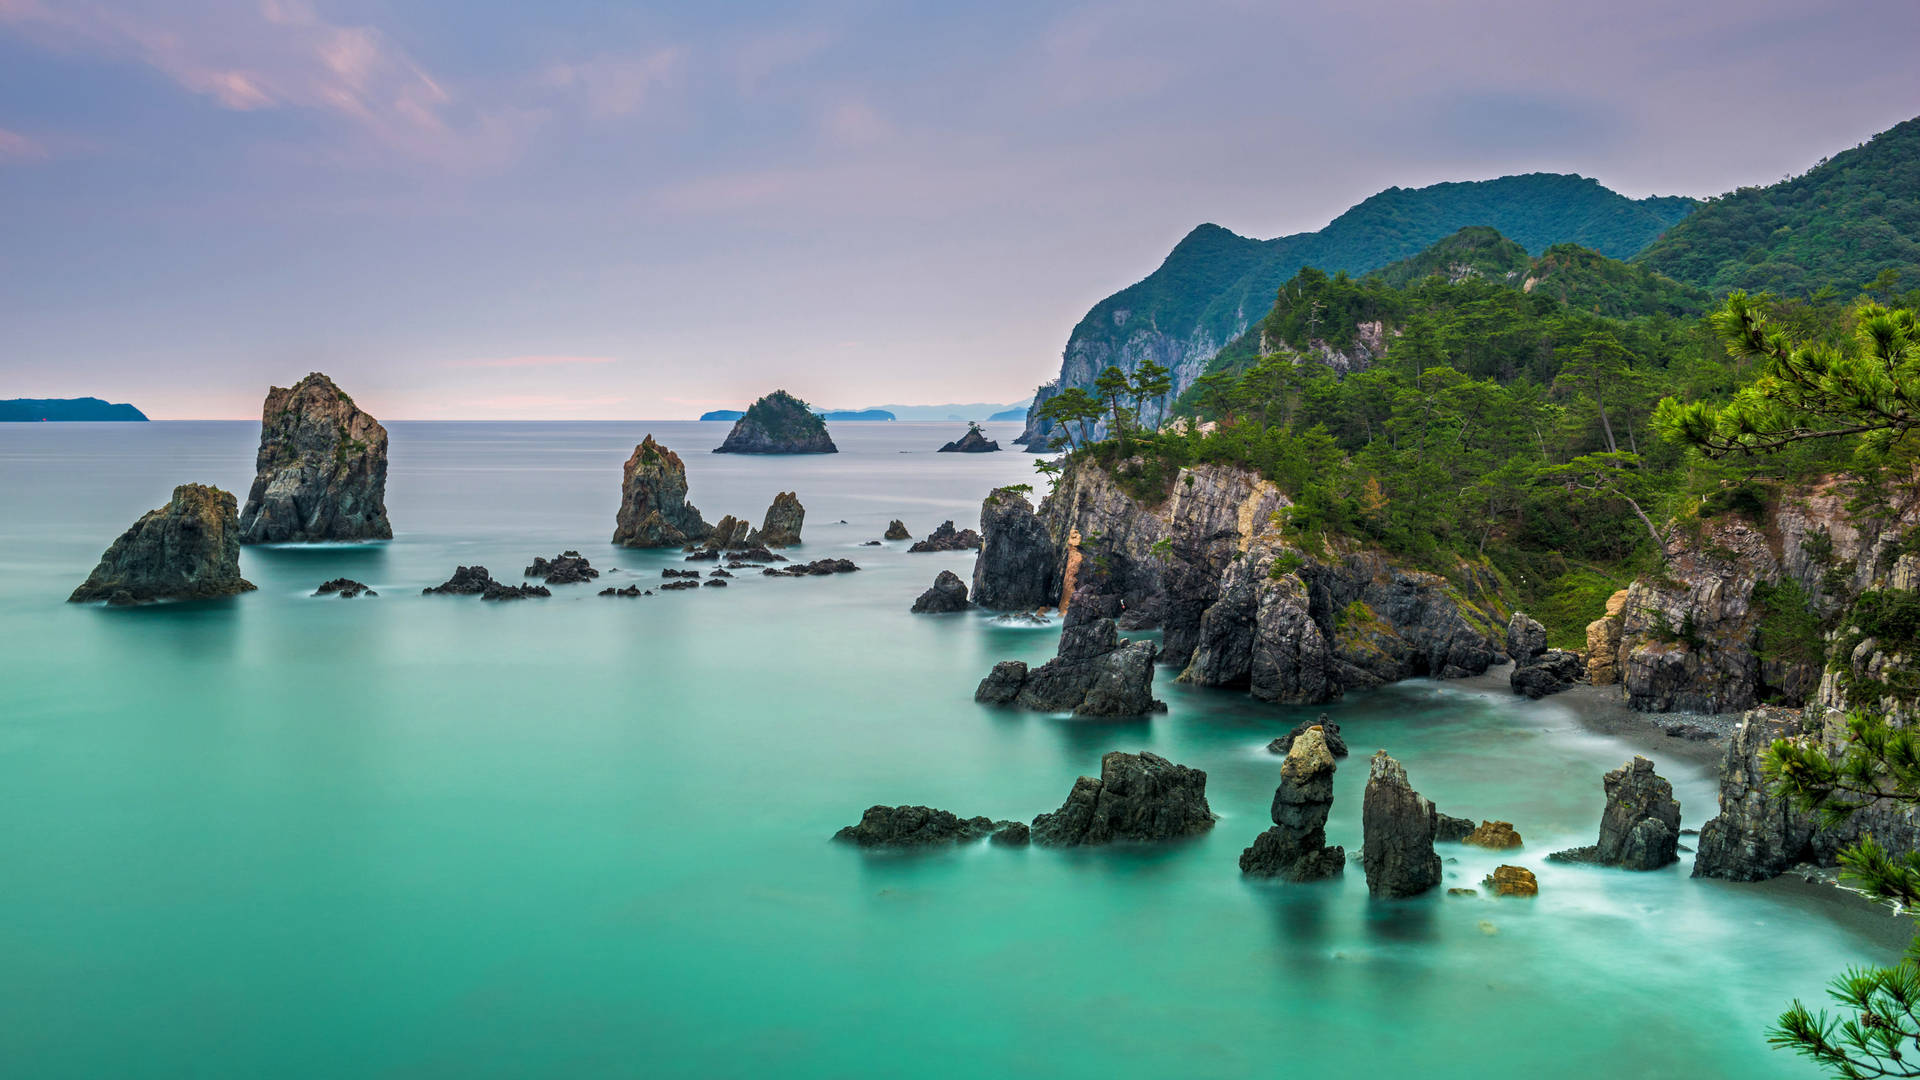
419 836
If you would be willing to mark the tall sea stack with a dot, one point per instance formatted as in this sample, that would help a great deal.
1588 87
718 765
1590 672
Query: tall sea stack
322 469
188 549
654 511
1398 826
778 424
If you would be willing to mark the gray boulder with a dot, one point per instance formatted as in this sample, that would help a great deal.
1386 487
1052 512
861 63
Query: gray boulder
1137 797
321 473
1296 847
1095 673
188 549
897 530
1526 639
949 594
1640 828
913 826
1398 824
1549 673
1018 568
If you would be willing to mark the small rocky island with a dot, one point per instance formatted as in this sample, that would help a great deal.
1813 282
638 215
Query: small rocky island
321 473
654 511
778 424
973 442
188 549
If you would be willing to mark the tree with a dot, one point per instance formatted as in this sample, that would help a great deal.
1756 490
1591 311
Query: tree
1151 382
1869 386
1069 407
1597 368
1610 476
1113 387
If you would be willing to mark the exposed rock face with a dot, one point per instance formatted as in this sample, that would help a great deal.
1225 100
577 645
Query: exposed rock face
566 568
1296 847
1398 823
728 532
654 511
1329 731
321 473
1137 797
475 580
1018 568
1549 673
1497 835
948 594
781 526
1095 673
188 549
1640 828
778 424
914 826
897 530
344 588
1603 643
973 442
1448 829
1526 639
946 538
1512 881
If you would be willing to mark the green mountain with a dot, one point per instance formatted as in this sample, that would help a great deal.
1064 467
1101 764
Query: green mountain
1592 282
1475 251
1214 283
1839 225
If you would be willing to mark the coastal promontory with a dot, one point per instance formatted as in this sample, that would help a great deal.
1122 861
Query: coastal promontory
321 473
778 424
188 549
654 511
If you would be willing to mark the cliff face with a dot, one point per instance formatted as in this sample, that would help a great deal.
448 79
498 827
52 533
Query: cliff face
187 549
1239 604
321 473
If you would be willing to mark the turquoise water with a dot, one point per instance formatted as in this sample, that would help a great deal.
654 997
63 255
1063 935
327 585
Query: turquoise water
430 837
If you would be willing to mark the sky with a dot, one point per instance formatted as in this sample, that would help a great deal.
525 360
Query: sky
483 209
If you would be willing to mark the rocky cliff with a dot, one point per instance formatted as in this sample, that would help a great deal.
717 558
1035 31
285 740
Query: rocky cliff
188 549
778 424
654 511
1241 604
321 473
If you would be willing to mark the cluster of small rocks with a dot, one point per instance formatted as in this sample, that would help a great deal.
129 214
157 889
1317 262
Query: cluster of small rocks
475 580
344 588
947 538
566 568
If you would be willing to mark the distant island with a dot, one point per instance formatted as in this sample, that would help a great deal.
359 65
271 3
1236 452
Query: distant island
824 414
1017 413
86 408
968 411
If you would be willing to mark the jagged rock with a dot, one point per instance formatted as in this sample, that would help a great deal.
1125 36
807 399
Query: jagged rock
497 591
1329 731
631 590
948 594
754 555
718 572
1641 824
728 532
973 442
1603 643
778 424
566 568
680 585
1512 881
781 526
822 566
344 588
715 582
1017 569
1296 847
670 572
945 538
704 555
1497 835
1448 829
466 581
1551 672
1012 834
1137 797
1526 639
913 826
188 549
321 473
1398 824
654 511
1095 673
897 530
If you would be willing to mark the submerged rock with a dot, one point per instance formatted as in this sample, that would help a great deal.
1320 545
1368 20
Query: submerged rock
1640 828
946 538
321 473
897 530
631 590
973 442
1398 823
1137 797
344 588
1295 848
781 526
1497 835
1018 569
681 585
1511 881
913 826
778 424
188 549
1329 731
566 568
654 511
948 594
1095 673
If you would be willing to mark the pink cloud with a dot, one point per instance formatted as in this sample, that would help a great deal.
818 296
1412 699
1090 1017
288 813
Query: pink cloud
17 147
532 361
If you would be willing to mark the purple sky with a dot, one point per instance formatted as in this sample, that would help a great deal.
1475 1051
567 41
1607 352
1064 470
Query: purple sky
492 209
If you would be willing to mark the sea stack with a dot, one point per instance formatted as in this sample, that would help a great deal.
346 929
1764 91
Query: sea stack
778 424
1296 847
1018 569
1137 797
654 511
321 473
973 442
188 549
1640 828
1398 825
781 526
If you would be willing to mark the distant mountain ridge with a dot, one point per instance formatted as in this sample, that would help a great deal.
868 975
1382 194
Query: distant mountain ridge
66 409
1215 283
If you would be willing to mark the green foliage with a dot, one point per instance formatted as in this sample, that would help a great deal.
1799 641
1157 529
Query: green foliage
1475 251
785 417
1891 617
1569 602
1284 563
1790 631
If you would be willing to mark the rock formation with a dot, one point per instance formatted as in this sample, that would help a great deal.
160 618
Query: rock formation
188 549
781 526
1398 825
1017 569
344 588
1448 829
654 511
1603 643
1537 670
321 473
475 580
1329 732
1512 881
1296 847
948 594
728 532
817 566
1640 827
1497 835
1095 673
920 826
946 538
778 424
1526 639
897 530
973 442
566 568
1137 797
